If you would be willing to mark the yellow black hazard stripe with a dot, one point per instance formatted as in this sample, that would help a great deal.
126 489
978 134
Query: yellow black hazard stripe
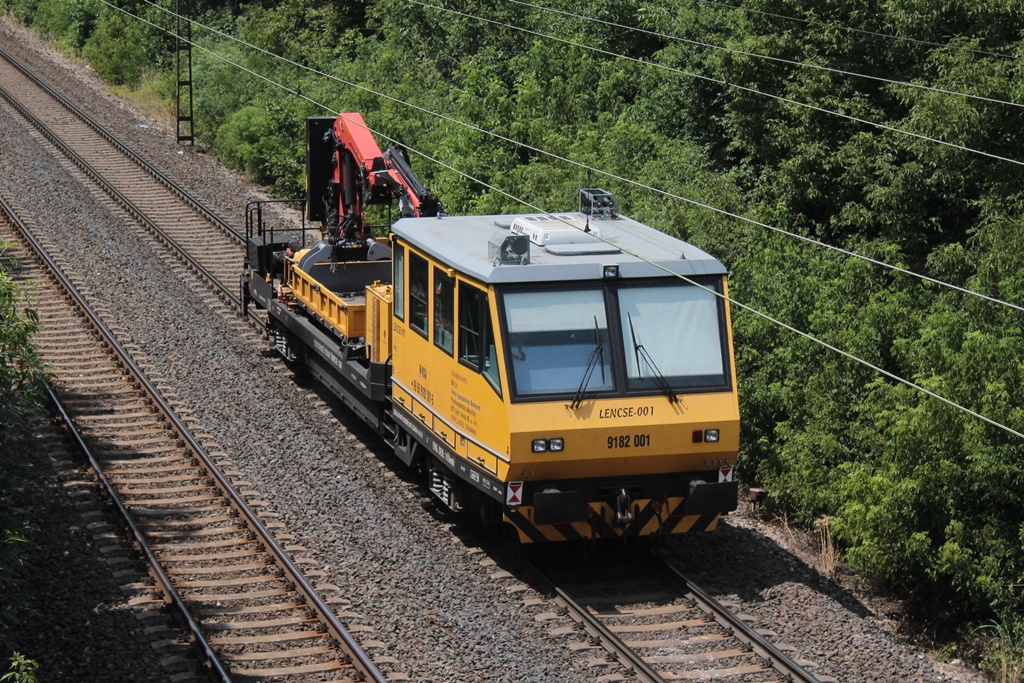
648 520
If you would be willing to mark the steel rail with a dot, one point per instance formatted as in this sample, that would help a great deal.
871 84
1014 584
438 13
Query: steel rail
216 668
225 291
323 612
759 646
778 659
642 669
164 179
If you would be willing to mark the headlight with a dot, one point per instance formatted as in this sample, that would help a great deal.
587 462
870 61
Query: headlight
540 445
557 444
711 435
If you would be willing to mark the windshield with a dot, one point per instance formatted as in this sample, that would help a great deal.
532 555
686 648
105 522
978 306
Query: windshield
671 331
667 338
555 337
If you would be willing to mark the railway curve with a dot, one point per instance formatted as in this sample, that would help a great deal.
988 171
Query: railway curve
216 560
205 242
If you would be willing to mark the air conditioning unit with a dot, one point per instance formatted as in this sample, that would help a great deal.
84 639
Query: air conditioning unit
544 231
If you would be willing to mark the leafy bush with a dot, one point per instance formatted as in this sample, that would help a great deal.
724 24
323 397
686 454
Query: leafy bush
260 142
22 670
120 48
70 22
22 10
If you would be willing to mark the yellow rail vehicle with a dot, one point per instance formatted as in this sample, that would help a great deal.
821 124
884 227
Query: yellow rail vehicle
590 393
571 375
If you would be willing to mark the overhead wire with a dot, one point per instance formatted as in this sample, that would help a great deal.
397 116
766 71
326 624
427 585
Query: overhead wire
719 81
772 58
891 36
295 92
607 174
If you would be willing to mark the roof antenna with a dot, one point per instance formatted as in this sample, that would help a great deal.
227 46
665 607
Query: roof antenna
586 227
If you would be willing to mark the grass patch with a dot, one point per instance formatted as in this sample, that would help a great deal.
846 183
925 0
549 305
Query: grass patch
1005 656
149 96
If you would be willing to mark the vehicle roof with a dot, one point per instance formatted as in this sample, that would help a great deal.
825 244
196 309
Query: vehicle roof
461 242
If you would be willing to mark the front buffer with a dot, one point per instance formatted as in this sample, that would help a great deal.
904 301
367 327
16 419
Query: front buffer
592 509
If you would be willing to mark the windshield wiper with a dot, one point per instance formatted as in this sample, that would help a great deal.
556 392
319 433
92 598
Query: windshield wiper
596 357
641 352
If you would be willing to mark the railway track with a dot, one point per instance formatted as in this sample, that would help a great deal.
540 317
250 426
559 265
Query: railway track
258 613
209 245
642 615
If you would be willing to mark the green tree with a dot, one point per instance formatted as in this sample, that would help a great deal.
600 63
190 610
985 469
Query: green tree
121 48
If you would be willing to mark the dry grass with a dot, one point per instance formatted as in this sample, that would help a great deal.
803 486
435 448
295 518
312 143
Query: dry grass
828 558
791 541
146 98
1011 671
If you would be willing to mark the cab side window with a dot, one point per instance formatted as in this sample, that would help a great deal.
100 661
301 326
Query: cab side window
471 304
399 280
476 335
491 355
444 310
419 285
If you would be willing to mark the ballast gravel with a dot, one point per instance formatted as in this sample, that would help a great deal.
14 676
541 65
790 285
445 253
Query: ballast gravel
416 592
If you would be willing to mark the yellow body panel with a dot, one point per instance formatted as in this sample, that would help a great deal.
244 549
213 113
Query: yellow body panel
378 334
346 315
464 413
641 435
455 402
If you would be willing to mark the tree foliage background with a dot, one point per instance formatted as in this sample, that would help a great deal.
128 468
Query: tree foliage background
927 498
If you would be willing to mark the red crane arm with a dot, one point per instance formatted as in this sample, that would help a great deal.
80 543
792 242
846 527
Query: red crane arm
365 175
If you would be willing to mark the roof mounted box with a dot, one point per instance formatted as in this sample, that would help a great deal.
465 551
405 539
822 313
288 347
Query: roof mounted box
508 248
598 203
